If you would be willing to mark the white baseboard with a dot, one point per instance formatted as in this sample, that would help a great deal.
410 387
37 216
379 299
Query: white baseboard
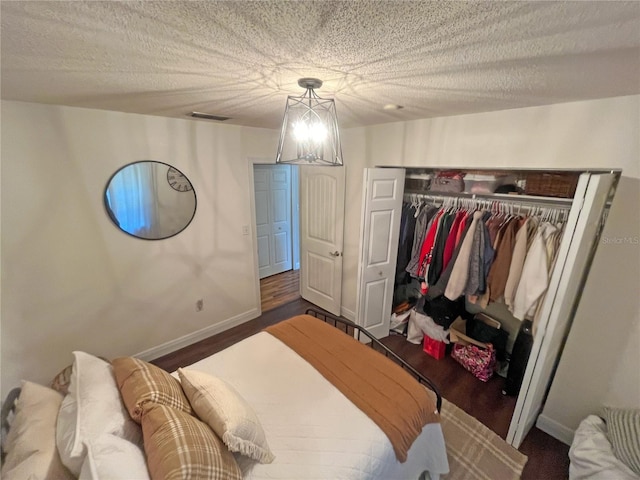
194 337
348 314
555 429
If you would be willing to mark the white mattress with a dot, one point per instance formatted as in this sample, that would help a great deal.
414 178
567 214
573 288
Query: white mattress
314 431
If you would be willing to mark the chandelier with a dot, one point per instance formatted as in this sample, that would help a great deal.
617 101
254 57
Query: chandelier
309 134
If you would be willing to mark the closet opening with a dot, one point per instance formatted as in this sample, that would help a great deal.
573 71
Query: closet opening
489 270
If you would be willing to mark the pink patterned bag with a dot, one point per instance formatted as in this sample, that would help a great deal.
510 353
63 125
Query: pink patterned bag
479 361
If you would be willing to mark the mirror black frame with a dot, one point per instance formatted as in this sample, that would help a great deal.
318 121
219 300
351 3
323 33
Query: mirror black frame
115 221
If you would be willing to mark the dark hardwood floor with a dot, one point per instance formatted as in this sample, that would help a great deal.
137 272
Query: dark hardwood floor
548 458
209 346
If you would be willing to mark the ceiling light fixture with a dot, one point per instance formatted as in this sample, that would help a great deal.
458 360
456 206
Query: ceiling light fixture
309 134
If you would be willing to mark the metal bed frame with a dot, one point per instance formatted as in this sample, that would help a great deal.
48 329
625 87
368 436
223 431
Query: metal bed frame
351 328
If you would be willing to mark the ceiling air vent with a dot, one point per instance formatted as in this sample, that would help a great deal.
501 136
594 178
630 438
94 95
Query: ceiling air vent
208 116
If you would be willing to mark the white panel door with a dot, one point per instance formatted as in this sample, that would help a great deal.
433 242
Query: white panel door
567 280
321 235
263 224
382 210
272 184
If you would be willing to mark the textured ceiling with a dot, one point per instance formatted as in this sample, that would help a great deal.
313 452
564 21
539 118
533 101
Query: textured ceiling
241 58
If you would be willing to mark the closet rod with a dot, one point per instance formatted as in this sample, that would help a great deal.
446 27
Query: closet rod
547 212
524 200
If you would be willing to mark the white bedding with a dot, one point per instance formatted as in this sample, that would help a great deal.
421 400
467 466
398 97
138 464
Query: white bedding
314 431
591 454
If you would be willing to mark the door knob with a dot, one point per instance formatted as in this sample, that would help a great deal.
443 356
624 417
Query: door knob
335 254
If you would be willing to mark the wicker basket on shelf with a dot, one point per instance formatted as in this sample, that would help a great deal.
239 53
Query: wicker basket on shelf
551 184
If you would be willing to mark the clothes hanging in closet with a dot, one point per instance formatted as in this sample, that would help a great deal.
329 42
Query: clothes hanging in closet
535 273
497 278
405 242
460 273
483 255
522 242
423 222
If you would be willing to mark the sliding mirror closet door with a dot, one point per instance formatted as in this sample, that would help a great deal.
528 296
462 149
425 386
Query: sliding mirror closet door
569 275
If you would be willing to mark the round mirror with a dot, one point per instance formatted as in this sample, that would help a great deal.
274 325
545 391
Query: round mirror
150 200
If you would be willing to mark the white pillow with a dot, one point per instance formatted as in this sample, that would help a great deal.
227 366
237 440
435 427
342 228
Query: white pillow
92 407
31 442
220 406
113 458
591 454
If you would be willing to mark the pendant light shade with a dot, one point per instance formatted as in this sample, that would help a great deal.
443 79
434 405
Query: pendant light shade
309 134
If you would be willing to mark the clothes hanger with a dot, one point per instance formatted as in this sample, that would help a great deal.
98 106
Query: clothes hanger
415 203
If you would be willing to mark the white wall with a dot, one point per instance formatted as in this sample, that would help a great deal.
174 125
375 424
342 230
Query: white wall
72 281
600 362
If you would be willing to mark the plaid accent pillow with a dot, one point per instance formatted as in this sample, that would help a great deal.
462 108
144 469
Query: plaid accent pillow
623 426
179 446
141 382
62 380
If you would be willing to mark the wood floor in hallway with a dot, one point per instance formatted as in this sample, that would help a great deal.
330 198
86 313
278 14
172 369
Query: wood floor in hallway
279 289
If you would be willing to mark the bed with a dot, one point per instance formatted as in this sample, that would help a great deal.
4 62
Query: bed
279 409
607 446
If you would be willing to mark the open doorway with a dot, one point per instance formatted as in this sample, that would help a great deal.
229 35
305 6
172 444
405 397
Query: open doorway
316 228
277 233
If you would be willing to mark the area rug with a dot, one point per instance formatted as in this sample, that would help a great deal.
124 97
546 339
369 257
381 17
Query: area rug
474 451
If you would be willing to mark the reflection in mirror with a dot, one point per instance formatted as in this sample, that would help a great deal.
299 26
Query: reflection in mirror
150 200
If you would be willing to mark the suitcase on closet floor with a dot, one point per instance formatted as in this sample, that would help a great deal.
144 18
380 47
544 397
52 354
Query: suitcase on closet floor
519 359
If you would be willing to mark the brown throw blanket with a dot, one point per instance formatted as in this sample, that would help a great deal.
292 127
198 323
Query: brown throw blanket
391 397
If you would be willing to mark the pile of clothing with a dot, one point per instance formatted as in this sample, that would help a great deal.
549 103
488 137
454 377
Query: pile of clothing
434 316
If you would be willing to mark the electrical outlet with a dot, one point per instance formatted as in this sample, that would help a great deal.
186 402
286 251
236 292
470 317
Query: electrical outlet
199 305
245 229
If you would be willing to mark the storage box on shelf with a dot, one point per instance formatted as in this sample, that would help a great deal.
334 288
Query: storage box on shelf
486 184
417 182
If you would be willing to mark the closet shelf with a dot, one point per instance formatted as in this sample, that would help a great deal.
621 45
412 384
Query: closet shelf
501 197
